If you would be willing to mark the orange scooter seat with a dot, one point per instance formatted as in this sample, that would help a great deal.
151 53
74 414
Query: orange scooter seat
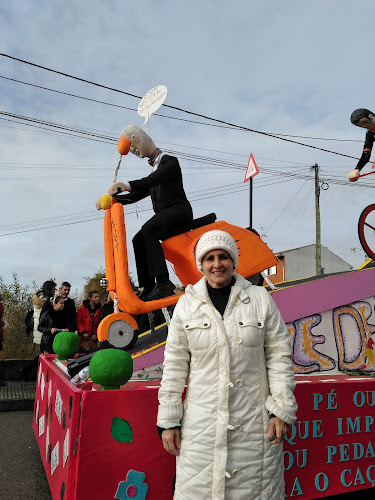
254 254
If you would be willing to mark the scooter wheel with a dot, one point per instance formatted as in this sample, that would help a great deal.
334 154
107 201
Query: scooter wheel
118 331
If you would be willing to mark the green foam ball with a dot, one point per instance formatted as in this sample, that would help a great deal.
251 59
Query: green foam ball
66 344
111 368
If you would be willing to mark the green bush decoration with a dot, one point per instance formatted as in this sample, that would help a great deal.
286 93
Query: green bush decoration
111 368
66 344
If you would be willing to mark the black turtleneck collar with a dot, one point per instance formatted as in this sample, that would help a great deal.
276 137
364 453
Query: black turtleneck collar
220 296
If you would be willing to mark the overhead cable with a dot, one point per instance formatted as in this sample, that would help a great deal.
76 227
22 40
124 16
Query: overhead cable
240 127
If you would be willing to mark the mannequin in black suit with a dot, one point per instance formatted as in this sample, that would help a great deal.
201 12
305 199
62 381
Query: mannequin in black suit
173 212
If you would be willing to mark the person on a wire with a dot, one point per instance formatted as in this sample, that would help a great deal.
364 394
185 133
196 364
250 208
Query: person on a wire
173 212
363 118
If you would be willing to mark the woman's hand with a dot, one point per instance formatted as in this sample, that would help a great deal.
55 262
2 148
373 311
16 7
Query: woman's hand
277 430
172 441
53 331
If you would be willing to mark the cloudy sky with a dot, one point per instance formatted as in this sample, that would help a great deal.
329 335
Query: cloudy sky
292 68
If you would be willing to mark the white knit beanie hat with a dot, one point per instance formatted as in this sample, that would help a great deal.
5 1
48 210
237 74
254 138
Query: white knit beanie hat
216 240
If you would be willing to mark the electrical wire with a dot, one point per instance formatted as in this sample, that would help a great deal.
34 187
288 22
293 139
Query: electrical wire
240 127
302 215
168 116
299 190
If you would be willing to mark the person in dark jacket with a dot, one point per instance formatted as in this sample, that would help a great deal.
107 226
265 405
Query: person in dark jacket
70 305
88 316
173 212
53 321
107 308
49 290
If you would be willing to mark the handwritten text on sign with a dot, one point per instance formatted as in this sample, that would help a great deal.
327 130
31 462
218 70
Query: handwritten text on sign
152 101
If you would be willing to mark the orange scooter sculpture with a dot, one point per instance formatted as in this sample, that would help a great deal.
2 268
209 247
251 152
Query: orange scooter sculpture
119 330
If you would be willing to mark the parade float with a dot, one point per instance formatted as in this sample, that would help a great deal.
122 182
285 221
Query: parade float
103 444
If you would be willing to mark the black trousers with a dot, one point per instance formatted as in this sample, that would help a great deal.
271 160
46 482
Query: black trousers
149 255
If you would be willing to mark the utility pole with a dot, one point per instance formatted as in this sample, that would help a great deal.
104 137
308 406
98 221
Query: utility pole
251 202
318 246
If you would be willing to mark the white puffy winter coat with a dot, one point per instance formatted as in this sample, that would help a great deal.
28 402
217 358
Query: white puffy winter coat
238 370
38 300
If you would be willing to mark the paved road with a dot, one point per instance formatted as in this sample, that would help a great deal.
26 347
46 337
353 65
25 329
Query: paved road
22 475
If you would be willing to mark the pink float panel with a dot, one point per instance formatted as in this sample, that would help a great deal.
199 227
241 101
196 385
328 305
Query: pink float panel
329 450
55 425
104 462
320 295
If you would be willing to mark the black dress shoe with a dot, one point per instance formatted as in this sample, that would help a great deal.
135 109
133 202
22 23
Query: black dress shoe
160 291
143 294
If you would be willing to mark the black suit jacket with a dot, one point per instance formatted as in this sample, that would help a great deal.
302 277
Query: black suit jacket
164 185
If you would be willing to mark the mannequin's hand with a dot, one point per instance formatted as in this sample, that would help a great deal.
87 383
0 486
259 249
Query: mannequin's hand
117 187
353 175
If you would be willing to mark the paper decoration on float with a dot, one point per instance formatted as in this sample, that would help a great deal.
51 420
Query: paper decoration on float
152 101
134 487
55 458
47 442
58 406
121 430
49 391
39 373
41 425
37 411
66 448
42 386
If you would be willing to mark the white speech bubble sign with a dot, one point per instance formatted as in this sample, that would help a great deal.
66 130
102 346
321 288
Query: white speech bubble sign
152 101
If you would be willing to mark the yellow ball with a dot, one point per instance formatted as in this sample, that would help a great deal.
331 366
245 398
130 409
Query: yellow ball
105 202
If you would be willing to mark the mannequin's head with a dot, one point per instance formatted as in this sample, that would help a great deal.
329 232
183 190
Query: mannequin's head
363 118
141 144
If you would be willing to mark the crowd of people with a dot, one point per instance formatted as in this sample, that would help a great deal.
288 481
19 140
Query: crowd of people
56 311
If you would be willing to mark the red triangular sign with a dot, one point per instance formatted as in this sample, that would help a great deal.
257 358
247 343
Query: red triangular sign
252 168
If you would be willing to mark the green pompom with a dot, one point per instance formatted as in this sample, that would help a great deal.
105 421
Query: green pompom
66 344
111 368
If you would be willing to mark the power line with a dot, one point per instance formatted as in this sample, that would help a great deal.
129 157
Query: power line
199 195
111 104
168 116
240 127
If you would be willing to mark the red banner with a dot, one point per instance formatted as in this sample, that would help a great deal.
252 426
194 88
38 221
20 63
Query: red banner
331 447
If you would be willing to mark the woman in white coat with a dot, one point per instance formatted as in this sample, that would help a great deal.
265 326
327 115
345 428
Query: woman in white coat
228 341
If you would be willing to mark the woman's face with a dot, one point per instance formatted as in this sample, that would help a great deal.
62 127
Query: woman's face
59 306
217 266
